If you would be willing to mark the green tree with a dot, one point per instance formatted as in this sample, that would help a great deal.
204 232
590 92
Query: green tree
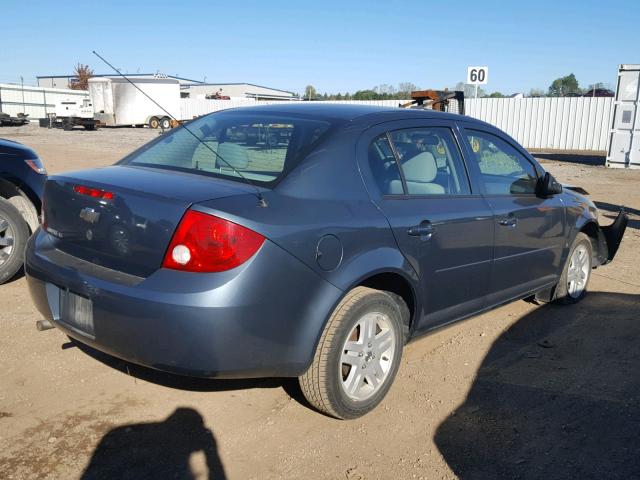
365 95
310 92
496 95
564 86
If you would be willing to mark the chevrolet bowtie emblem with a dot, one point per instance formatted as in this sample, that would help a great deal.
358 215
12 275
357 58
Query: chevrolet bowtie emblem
89 215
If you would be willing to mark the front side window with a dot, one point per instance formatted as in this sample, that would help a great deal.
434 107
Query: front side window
262 148
430 161
504 170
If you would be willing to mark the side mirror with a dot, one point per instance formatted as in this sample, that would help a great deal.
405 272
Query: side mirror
548 186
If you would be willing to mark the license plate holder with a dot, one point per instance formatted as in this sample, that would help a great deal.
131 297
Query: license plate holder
76 312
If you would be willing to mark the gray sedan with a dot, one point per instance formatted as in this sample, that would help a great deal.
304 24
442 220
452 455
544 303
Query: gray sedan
311 241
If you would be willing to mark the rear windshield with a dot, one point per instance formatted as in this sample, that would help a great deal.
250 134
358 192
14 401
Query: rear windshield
262 148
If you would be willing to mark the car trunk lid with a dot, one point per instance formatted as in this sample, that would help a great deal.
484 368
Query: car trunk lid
123 217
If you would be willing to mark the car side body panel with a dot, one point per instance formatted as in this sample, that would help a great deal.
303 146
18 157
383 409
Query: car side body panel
528 254
460 249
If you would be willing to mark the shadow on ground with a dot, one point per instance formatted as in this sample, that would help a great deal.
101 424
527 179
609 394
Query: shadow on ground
572 158
557 397
194 384
157 450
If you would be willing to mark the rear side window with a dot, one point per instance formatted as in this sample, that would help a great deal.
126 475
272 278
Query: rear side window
431 162
262 148
504 170
384 167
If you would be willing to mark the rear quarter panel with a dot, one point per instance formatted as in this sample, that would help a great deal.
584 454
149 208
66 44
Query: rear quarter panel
324 196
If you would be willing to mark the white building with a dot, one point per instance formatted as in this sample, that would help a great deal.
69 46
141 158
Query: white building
62 81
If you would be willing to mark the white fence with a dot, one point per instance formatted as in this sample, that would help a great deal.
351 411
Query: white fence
575 123
194 107
37 102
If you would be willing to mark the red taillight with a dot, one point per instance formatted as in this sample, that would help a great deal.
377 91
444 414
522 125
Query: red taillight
205 243
36 165
93 192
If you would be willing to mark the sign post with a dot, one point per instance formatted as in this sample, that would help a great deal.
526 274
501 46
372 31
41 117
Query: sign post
477 76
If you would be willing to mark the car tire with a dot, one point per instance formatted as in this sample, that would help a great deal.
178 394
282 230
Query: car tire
154 122
576 273
14 234
366 330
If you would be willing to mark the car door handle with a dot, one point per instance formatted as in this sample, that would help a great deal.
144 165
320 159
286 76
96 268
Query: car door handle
424 230
508 221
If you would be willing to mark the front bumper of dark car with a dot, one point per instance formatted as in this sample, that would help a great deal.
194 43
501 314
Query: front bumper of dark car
258 320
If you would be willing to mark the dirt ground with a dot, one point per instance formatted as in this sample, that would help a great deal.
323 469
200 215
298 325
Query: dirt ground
524 391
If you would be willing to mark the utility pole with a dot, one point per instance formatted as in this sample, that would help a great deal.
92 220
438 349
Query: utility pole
22 86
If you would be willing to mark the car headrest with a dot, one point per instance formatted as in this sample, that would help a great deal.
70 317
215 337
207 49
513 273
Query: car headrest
421 168
426 139
233 154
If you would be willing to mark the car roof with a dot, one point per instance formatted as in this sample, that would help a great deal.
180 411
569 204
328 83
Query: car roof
346 113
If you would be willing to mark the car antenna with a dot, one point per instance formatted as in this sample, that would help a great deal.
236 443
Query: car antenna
261 201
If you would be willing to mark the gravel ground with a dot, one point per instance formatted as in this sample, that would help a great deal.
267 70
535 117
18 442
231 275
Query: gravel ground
524 391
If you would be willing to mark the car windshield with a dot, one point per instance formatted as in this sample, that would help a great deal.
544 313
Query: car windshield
260 147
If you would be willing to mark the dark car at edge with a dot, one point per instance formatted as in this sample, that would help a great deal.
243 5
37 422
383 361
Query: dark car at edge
22 178
209 252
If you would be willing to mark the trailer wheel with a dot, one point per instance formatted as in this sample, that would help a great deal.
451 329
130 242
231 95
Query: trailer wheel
154 122
165 123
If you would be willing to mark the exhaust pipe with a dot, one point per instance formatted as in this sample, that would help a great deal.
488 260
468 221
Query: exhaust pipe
42 325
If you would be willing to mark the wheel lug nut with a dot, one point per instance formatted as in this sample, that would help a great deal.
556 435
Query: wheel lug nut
369 345
361 354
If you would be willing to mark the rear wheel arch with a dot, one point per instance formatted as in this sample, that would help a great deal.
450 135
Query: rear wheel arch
27 202
394 280
398 285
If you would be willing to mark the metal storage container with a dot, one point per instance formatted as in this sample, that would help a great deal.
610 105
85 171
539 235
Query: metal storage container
624 138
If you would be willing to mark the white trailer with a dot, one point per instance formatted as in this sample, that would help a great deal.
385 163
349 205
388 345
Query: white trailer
118 103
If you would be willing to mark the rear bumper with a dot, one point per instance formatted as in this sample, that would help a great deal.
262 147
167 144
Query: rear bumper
261 319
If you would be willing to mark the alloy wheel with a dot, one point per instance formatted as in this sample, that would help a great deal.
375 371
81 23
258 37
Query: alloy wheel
367 356
6 240
579 270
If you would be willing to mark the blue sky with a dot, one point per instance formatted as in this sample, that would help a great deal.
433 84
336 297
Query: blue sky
333 45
